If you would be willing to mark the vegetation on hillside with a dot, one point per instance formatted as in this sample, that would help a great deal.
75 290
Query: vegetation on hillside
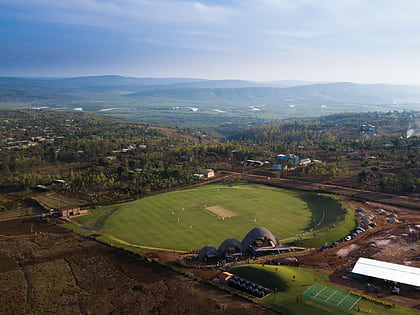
368 151
105 159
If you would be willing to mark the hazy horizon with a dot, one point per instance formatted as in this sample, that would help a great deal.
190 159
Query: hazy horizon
261 40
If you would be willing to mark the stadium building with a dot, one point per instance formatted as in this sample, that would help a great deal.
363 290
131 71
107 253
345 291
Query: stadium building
258 241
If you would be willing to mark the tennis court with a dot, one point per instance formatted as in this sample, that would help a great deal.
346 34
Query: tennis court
330 297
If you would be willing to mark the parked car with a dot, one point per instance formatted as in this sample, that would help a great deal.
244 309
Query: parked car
325 246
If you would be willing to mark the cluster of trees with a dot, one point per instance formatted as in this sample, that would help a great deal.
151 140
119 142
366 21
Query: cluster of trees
109 158
338 140
90 152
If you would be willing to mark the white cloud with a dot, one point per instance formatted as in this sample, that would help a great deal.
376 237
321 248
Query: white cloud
301 34
200 46
122 11
278 4
199 33
289 37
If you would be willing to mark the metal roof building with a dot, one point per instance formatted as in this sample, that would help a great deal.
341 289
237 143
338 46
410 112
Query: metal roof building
387 271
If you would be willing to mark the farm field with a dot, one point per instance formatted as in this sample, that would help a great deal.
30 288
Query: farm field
54 200
46 269
187 220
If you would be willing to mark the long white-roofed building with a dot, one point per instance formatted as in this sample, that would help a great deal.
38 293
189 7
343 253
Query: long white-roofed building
401 274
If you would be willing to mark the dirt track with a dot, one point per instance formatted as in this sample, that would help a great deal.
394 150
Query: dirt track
45 269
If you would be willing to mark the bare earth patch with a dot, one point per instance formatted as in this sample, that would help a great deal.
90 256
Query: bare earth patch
344 251
220 211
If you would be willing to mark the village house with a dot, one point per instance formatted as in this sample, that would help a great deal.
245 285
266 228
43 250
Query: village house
290 159
71 211
305 162
207 173
365 155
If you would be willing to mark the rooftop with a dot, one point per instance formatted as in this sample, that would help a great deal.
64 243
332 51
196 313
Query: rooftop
388 271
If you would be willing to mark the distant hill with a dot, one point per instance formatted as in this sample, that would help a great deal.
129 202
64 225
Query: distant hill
114 81
327 93
95 92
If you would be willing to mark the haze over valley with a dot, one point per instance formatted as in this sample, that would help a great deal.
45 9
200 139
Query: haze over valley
165 100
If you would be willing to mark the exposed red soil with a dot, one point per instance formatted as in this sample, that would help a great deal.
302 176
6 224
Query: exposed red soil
391 242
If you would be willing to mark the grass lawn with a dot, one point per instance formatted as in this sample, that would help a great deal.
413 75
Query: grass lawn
77 229
335 224
179 219
290 282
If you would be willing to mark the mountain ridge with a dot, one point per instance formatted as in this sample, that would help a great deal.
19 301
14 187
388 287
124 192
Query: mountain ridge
119 89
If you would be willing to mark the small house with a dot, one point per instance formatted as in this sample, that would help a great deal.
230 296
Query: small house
305 162
60 182
207 173
254 163
71 211
365 155
291 159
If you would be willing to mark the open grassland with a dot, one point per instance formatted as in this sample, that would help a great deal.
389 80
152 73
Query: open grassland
289 283
179 219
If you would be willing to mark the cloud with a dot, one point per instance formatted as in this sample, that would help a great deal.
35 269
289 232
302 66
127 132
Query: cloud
300 34
200 46
289 18
278 4
258 36
131 12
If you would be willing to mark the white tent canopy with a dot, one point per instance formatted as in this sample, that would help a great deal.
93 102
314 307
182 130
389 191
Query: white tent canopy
387 271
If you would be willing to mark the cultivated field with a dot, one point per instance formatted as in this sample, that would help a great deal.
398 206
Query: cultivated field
183 220
45 269
56 201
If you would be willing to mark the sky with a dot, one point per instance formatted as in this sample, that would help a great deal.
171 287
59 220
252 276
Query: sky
363 41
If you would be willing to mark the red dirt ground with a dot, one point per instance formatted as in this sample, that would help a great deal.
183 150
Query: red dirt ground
391 242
